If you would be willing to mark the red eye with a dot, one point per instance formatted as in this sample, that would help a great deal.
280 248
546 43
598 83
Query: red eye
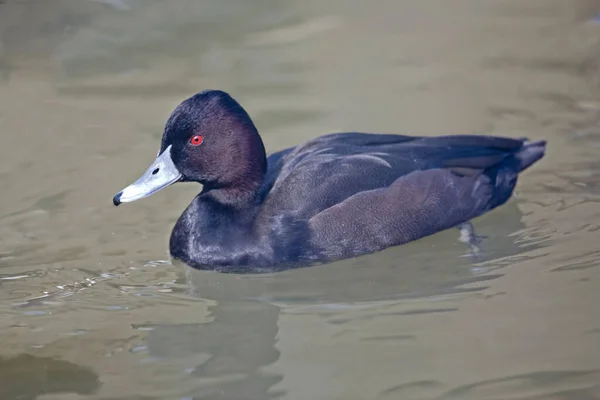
196 140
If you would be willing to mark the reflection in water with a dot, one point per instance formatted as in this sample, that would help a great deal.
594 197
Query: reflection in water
27 377
238 342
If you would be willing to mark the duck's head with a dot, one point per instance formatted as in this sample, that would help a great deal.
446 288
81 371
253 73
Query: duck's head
209 138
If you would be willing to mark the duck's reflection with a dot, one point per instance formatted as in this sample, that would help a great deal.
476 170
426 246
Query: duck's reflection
238 342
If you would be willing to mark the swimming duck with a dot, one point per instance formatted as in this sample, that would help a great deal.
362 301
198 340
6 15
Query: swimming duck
338 196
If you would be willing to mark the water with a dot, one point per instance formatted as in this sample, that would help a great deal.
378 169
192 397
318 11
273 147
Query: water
92 308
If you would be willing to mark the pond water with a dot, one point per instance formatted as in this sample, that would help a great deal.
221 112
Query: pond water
91 306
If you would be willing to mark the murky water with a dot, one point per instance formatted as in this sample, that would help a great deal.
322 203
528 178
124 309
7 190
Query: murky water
92 308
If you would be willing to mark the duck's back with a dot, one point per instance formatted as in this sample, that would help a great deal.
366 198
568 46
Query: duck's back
325 171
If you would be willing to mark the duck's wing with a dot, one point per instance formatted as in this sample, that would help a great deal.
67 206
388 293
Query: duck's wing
311 177
325 171
419 204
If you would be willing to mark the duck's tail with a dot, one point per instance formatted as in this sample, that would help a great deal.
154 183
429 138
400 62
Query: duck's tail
530 153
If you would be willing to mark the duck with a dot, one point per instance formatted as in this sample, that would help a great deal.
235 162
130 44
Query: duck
337 196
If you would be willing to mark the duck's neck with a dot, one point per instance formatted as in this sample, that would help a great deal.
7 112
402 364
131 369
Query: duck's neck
216 229
225 210
235 197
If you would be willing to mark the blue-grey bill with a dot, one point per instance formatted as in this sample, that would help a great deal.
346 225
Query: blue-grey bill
161 174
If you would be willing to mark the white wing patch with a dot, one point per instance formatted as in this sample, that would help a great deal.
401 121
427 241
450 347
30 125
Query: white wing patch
373 157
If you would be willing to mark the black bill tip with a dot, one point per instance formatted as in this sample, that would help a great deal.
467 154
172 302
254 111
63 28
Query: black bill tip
117 199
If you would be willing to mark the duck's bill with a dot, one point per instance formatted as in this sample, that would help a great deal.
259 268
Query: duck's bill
161 174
